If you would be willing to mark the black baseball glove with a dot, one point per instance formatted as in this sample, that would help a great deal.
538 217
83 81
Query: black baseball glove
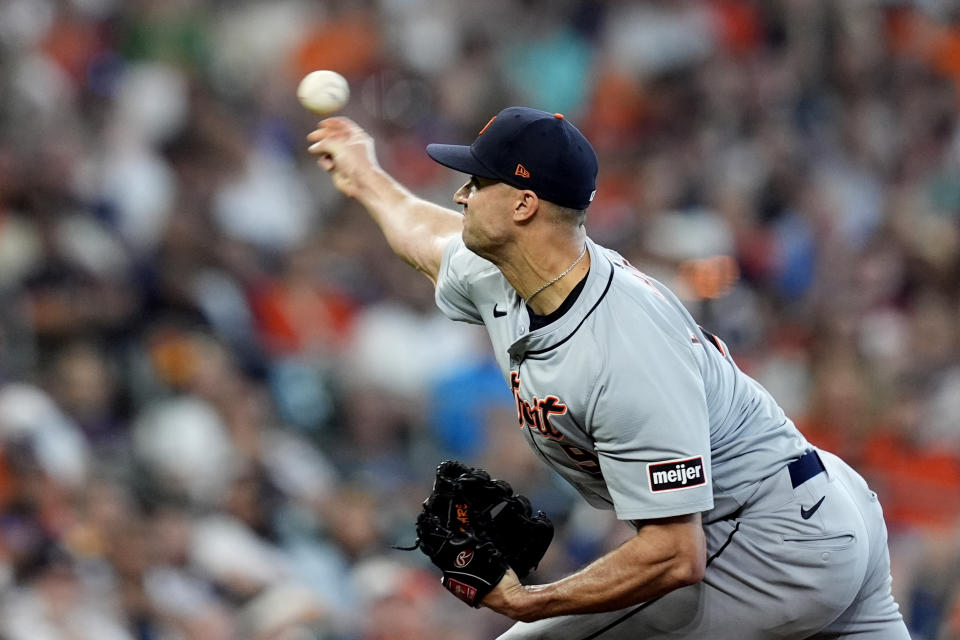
474 527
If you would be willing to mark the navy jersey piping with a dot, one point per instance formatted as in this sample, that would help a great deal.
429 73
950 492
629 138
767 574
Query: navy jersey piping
640 607
577 328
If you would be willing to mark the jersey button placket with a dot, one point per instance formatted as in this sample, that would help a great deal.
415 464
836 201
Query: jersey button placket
516 355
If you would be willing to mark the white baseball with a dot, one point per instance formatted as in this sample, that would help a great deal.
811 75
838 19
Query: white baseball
323 91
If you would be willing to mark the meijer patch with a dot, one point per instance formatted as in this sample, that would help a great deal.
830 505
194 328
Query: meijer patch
676 474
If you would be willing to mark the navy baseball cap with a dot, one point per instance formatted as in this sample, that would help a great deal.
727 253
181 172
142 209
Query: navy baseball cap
529 149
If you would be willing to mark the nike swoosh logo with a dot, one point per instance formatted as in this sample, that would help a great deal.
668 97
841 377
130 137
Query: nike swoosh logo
497 313
806 513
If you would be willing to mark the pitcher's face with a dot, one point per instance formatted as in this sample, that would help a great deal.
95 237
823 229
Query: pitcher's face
487 221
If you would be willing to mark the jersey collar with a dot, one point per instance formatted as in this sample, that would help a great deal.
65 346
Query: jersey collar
532 343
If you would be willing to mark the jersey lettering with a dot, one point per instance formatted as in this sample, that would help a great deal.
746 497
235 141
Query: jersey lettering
715 341
536 414
586 461
642 277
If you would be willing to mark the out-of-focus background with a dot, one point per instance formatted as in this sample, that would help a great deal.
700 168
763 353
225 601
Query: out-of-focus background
222 398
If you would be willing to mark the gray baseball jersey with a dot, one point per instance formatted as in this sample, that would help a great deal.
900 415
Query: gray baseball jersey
624 395
647 414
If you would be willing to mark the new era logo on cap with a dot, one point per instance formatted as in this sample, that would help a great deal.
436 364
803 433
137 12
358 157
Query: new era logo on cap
529 149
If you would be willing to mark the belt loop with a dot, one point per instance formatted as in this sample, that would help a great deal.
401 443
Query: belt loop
805 467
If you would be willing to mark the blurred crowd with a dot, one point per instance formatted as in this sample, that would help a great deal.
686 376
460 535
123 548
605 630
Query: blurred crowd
222 398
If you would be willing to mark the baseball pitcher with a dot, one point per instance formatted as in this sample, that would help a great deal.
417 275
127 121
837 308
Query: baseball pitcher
743 529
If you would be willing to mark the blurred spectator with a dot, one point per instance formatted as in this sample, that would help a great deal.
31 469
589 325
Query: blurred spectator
54 603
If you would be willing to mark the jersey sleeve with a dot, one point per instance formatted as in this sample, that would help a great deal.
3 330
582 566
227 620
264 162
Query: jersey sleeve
650 423
453 294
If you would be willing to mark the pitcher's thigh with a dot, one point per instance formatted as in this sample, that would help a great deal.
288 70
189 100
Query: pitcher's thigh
697 611
755 587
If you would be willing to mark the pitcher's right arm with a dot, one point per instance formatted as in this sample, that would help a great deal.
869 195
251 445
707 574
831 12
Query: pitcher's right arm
417 230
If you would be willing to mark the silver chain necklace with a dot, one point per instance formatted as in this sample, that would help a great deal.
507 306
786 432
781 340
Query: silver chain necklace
557 279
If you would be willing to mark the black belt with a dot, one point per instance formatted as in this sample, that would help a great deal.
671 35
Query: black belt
805 467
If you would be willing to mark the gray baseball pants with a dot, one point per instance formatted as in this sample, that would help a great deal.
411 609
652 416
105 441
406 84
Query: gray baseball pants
771 573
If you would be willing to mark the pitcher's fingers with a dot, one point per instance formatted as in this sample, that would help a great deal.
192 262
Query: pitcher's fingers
316 135
335 124
325 162
322 131
330 128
